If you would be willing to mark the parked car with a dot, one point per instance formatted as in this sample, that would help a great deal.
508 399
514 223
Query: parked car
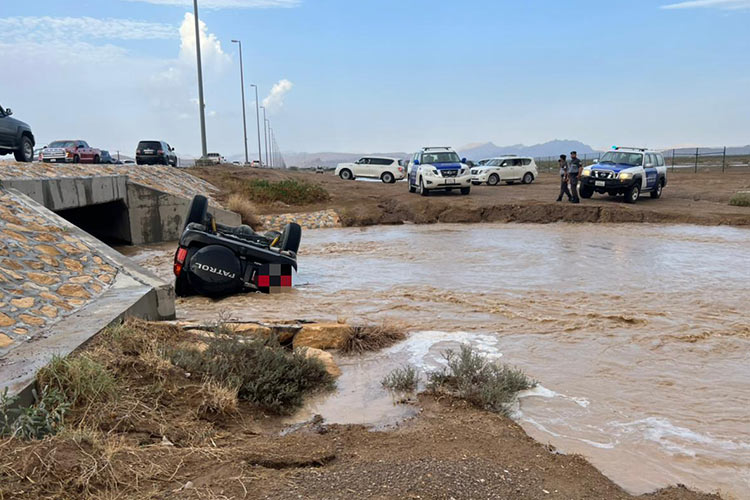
217 260
387 170
67 151
508 169
256 164
128 162
15 137
215 158
626 171
438 168
155 153
320 169
107 158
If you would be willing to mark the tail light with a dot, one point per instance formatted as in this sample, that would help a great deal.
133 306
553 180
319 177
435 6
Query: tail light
179 260
161 152
400 169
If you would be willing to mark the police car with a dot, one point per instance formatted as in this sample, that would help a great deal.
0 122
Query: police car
626 171
438 168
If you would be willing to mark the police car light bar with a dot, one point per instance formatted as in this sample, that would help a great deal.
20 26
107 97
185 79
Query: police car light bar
628 147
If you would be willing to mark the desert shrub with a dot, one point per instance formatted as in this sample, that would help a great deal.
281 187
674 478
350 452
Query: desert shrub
486 384
404 379
263 372
44 417
216 399
81 380
246 209
372 338
289 191
741 199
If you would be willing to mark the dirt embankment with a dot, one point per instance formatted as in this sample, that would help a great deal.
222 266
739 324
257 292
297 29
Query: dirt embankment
701 198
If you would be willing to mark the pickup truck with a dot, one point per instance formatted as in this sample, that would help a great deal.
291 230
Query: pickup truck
15 137
70 152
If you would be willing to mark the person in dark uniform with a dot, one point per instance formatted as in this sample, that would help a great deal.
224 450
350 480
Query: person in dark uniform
574 170
563 178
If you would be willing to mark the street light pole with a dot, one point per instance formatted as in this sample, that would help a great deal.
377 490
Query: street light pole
265 133
257 120
242 84
270 134
268 145
201 104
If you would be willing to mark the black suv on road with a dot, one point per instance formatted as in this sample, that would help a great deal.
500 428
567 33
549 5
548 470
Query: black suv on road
155 153
15 137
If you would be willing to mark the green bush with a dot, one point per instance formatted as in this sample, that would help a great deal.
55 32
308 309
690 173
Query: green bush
263 372
741 199
486 384
43 418
81 380
404 379
289 191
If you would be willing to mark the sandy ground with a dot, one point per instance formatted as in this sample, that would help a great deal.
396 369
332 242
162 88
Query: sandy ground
697 198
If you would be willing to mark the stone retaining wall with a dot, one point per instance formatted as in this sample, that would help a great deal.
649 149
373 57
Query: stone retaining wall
45 271
310 220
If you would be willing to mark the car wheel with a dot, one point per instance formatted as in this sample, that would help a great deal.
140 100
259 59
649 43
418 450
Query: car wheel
422 190
291 237
528 178
76 159
346 174
387 178
493 180
197 210
97 159
632 194
181 285
587 192
26 152
656 193
465 190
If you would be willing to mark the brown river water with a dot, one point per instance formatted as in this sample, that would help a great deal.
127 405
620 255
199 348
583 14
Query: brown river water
639 335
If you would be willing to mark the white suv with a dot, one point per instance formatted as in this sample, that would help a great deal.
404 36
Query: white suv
626 171
388 170
508 169
438 168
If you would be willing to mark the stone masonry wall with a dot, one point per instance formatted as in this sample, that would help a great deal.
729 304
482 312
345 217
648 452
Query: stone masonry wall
45 272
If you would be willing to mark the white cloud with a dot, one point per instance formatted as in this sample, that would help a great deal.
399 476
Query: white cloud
212 55
227 4
717 4
42 29
275 99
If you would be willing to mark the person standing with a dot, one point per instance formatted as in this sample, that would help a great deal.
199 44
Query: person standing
563 178
574 169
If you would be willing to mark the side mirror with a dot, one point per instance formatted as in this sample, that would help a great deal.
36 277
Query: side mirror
463 160
8 111
596 160
416 162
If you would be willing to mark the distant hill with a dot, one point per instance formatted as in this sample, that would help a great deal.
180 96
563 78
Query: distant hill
552 148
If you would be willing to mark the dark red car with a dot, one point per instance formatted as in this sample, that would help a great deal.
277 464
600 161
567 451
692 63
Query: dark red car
70 152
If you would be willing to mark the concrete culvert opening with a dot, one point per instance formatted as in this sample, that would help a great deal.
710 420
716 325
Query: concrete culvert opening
109 222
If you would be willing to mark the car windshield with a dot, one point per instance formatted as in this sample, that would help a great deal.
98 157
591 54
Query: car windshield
62 144
440 158
634 159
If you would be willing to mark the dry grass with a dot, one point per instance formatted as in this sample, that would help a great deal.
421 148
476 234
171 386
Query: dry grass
246 209
373 337
216 399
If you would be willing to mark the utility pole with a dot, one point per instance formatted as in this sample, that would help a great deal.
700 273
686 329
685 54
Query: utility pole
257 121
242 85
273 148
201 104
265 133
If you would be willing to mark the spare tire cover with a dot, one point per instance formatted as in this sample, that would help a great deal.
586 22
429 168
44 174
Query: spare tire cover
215 270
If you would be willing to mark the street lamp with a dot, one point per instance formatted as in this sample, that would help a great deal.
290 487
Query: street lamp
270 134
201 104
257 120
242 85
265 133
268 146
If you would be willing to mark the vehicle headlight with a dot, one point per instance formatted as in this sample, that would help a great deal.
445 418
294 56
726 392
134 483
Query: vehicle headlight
435 172
586 172
462 172
474 172
625 176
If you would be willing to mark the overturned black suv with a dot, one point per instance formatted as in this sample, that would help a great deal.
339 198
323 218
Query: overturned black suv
217 260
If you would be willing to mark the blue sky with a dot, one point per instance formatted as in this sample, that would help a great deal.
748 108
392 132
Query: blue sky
385 75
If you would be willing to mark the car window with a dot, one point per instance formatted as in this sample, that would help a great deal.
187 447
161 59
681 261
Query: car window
650 160
660 160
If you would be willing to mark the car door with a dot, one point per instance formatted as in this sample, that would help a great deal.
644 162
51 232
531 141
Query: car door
650 173
505 171
7 130
360 167
84 152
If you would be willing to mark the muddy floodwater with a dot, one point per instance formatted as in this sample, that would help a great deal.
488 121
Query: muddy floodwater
639 335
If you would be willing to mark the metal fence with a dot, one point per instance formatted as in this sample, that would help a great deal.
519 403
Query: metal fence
698 159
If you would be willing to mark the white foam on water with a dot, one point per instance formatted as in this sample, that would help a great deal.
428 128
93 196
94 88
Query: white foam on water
543 392
420 346
677 439
605 446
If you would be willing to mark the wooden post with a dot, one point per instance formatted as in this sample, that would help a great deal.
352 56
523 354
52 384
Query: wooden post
696 160
724 160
